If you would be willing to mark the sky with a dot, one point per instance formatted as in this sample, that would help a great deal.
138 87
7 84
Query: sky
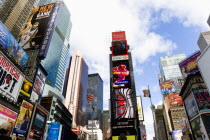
154 28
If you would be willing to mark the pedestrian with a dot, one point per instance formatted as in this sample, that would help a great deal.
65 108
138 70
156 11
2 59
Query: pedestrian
4 129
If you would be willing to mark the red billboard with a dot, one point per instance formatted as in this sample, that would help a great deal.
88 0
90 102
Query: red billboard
175 99
167 87
117 36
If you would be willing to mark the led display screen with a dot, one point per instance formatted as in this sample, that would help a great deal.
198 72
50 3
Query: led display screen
119 48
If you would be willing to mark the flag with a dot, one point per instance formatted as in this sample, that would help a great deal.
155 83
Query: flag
146 93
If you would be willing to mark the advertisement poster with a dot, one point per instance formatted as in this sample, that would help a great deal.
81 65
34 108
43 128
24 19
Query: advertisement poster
175 99
95 124
139 108
203 100
10 79
38 124
167 87
119 48
189 65
7 116
123 103
26 88
117 36
121 74
12 47
39 83
22 122
206 122
53 131
177 134
198 129
40 27
191 107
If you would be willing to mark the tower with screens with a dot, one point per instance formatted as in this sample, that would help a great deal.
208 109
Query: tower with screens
124 116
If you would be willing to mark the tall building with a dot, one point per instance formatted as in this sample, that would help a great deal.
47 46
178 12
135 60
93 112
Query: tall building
169 66
76 92
59 49
95 87
14 14
203 40
105 126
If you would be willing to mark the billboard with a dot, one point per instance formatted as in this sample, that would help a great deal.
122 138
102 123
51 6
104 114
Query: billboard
176 134
175 99
24 117
39 29
117 36
53 131
121 74
95 124
189 65
7 116
10 79
131 137
202 98
26 88
12 47
39 82
191 107
123 105
119 48
167 87
139 108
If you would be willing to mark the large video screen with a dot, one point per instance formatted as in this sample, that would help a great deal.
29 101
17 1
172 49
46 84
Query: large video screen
119 48
121 74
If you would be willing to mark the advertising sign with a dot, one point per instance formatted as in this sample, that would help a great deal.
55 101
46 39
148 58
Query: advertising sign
123 103
139 107
53 131
119 48
167 87
189 65
7 116
176 134
41 25
38 125
191 107
121 74
120 35
131 137
203 100
175 99
120 57
206 122
22 122
26 88
10 79
12 47
39 83
198 129
95 124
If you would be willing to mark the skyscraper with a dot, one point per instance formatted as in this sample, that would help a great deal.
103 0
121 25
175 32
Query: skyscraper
76 91
15 13
95 87
169 66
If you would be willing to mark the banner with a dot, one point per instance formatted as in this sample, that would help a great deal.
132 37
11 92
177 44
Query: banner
39 29
175 99
26 88
24 117
167 87
139 107
189 65
12 47
117 36
10 79
119 48
53 131
121 74
191 107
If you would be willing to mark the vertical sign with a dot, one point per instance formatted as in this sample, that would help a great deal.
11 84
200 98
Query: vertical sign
139 107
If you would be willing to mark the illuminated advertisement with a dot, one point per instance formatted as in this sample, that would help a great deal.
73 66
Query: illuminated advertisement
203 100
191 107
189 65
10 79
39 28
39 83
132 137
123 103
206 122
139 107
167 87
117 36
198 129
53 131
22 122
38 124
93 124
26 88
121 74
7 116
119 48
175 99
176 134
12 47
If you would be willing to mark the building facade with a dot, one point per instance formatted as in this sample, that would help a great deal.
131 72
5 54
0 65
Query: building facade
105 126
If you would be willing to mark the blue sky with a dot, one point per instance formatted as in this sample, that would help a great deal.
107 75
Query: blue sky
153 28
